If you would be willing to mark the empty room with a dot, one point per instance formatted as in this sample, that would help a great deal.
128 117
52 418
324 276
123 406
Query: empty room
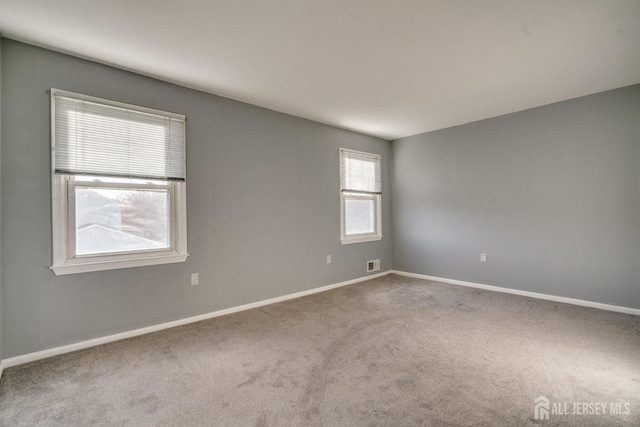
320 213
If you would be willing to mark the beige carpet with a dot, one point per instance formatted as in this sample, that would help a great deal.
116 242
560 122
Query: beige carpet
392 351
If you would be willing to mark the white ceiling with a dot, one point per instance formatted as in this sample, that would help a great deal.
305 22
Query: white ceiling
389 68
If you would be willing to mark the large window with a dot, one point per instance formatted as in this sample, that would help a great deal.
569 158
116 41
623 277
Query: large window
360 194
119 175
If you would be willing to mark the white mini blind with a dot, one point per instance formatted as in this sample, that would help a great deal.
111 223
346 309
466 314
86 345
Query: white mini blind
361 172
92 136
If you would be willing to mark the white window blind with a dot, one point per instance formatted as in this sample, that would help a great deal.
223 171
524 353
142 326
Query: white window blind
93 136
361 172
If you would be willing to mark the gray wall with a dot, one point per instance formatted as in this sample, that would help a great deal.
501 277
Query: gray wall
263 208
1 310
552 195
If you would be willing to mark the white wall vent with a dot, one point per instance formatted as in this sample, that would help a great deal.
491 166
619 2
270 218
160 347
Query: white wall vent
373 265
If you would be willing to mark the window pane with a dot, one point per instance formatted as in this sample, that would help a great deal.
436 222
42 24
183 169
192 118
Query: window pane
359 216
119 220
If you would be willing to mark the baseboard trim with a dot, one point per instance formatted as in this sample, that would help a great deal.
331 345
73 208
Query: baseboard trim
38 355
1 368
574 301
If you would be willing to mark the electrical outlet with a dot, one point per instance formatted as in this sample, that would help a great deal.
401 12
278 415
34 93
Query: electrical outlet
328 259
483 257
195 279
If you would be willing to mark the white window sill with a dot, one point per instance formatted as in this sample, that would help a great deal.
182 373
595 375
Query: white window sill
88 265
360 239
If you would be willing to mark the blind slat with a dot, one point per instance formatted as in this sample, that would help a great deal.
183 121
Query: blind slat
92 138
361 172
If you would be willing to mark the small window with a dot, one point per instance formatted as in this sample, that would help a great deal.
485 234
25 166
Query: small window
360 194
119 181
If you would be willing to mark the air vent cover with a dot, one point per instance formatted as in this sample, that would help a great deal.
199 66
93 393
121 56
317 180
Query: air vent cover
373 265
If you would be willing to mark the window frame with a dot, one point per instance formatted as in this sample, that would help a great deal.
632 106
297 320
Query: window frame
66 261
376 235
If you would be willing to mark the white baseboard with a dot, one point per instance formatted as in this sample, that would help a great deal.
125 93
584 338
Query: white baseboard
574 301
1 367
30 357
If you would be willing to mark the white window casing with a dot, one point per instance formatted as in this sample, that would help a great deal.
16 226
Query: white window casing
360 182
119 147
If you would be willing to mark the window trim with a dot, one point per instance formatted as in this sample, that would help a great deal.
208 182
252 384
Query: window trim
63 215
63 209
377 198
